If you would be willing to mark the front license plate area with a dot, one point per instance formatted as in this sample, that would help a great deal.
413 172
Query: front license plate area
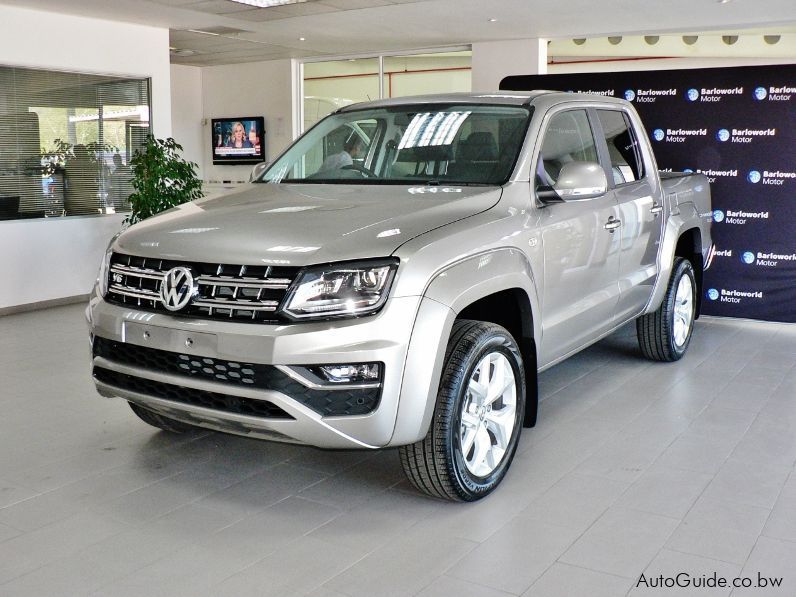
183 341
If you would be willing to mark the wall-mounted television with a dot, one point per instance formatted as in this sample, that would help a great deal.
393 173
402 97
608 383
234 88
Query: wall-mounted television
238 140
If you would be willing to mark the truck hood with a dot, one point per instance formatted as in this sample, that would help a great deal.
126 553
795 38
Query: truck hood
302 224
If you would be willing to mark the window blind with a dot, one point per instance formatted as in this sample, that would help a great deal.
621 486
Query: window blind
66 140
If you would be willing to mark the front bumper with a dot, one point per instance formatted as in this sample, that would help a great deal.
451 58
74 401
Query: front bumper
383 338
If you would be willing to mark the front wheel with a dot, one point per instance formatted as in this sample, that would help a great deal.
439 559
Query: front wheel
664 335
477 418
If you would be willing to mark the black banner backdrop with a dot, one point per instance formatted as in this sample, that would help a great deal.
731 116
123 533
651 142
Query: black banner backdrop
738 127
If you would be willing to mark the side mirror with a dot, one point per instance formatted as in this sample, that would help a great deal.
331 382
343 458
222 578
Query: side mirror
258 170
581 180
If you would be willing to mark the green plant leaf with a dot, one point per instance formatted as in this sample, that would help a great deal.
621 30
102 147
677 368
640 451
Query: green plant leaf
161 179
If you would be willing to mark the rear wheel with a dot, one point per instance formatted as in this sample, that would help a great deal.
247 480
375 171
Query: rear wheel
665 334
159 421
477 418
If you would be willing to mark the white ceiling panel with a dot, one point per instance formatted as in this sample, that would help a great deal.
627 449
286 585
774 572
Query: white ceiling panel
333 27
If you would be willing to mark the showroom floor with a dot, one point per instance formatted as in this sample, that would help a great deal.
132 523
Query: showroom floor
634 468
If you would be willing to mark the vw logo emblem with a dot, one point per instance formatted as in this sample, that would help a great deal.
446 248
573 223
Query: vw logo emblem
177 288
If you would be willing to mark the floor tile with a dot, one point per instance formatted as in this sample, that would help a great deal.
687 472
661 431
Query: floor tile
770 569
622 542
563 580
445 586
514 557
756 483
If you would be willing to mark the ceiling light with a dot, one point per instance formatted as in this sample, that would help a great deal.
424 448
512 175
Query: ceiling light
493 20
302 39
267 3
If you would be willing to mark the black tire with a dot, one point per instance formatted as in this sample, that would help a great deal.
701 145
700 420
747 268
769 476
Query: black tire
159 421
435 465
656 331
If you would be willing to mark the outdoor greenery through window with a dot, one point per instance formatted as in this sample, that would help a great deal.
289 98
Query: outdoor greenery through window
66 140
454 144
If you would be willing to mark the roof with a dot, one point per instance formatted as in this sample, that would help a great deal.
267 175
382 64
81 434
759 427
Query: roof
505 98
497 98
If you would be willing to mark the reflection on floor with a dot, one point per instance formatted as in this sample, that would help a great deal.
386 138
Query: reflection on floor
634 468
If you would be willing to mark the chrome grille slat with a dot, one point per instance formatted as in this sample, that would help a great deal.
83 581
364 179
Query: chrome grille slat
137 271
238 305
231 292
268 284
135 292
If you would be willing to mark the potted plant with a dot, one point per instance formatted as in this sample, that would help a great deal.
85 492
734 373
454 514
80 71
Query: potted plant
161 179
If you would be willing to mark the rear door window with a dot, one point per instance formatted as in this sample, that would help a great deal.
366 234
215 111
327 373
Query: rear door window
627 164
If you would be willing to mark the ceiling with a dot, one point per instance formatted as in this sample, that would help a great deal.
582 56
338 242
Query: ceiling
349 27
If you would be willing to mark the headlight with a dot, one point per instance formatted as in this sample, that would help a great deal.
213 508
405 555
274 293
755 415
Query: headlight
102 277
341 290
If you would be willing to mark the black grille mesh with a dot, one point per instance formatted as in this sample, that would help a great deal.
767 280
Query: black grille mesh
194 397
328 403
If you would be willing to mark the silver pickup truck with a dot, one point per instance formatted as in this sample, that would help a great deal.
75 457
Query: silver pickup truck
399 276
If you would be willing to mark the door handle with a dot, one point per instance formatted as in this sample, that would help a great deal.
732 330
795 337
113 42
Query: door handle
612 224
656 209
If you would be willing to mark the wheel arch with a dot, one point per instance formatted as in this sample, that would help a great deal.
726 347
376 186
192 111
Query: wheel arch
689 246
511 309
682 238
502 274
498 286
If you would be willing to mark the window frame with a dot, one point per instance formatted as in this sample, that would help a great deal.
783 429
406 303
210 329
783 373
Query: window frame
605 157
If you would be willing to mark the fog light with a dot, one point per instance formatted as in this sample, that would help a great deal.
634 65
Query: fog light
351 373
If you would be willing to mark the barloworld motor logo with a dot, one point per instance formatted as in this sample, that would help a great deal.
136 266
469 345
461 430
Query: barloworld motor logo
630 95
754 176
748 257
760 93
658 134
723 135
713 294
692 95
718 215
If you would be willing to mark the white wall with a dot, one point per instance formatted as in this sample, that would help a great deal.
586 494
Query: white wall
251 89
187 114
494 60
53 259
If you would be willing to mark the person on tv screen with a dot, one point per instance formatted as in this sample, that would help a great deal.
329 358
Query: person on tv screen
238 138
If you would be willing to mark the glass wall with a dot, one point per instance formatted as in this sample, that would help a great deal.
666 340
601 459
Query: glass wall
336 83
421 74
66 140
331 84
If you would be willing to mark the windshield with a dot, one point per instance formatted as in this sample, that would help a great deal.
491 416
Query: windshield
452 144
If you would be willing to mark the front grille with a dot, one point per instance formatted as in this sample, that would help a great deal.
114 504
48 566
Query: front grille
247 293
194 397
328 403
